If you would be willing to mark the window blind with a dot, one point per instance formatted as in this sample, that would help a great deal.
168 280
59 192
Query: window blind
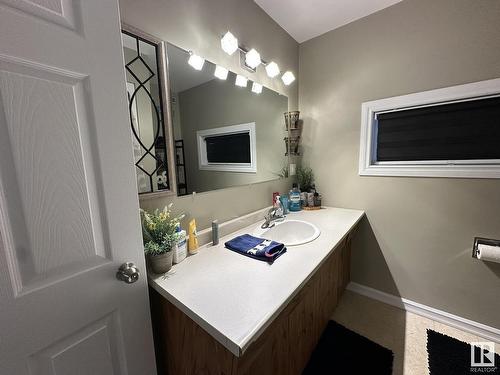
466 130
230 148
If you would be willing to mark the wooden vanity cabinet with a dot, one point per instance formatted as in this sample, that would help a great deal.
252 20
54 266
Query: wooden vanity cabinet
184 348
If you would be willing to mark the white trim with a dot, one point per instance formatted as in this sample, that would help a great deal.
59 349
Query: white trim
203 163
479 329
448 168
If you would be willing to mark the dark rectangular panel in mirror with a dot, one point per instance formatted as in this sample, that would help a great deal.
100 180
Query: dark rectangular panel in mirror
233 148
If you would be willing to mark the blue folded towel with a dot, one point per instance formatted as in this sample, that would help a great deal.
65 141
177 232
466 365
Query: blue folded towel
258 248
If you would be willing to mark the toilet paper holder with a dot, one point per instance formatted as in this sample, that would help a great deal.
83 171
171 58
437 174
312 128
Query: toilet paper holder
483 241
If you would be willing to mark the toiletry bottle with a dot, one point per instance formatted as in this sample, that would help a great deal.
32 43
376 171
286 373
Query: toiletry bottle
303 199
275 194
279 207
215 232
284 203
317 199
310 199
295 198
180 248
193 238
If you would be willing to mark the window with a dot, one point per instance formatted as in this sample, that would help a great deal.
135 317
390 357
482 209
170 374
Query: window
228 149
450 132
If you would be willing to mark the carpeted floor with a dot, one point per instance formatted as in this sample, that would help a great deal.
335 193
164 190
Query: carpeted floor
342 351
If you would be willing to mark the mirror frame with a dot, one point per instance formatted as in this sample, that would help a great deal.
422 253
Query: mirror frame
167 121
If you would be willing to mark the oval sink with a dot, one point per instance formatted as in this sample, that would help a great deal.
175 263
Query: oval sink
289 232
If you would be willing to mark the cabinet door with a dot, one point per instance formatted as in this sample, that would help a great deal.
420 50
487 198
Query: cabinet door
302 328
269 354
344 267
188 348
325 291
313 309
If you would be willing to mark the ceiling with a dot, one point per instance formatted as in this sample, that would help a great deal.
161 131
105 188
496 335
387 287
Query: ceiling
304 20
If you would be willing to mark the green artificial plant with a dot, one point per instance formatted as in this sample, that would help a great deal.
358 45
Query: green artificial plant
159 230
305 178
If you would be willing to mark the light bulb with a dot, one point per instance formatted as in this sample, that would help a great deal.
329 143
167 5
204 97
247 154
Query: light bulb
288 78
272 69
252 58
196 61
241 81
220 72
229 43
256 88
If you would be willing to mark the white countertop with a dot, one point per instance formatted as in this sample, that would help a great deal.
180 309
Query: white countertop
234 297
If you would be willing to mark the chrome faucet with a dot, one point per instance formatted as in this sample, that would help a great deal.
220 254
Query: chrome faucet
274 215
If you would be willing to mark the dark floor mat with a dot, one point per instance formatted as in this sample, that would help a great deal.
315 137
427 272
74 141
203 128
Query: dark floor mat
342 351
449 356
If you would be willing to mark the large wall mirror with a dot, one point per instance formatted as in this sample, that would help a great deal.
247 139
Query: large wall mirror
225 135
222 132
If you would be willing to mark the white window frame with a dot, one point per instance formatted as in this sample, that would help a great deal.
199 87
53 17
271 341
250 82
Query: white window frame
203 163
368 166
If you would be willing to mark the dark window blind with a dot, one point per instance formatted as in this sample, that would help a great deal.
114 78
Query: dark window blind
231 148
455 131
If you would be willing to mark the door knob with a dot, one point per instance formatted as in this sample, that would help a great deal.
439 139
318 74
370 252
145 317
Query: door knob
128 272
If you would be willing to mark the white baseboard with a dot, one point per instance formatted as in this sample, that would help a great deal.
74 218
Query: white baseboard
478 329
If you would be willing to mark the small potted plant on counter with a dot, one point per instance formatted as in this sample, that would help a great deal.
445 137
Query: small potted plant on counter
305 177
159 231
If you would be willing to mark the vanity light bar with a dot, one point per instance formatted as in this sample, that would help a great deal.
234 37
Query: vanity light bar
229 44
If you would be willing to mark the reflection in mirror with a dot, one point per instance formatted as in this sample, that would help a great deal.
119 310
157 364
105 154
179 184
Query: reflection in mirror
146 112
224 135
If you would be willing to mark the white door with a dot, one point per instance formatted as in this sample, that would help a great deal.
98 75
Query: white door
68 196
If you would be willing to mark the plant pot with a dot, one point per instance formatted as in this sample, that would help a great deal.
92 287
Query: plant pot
161 263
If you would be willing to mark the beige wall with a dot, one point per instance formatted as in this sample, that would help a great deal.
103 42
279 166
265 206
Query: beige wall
198 25
220 103
420 232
